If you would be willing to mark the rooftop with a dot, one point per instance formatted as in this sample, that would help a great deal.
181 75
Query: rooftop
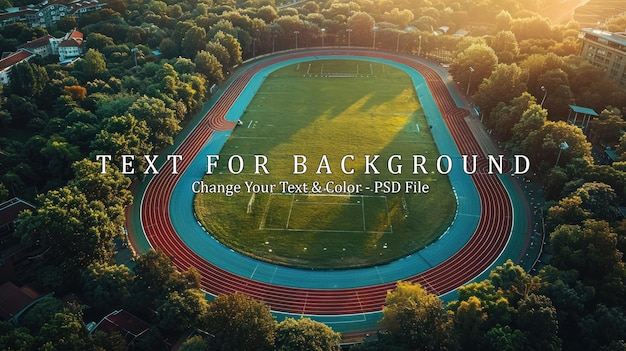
14 300
125 323
14 58
9 210
616 37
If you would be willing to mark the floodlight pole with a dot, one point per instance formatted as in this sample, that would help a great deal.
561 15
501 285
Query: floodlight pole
323 32
419 50
545 93
398 42
296 33
349 32
374 44
562 146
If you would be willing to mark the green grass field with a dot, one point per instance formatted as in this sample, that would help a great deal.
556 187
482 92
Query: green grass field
332 108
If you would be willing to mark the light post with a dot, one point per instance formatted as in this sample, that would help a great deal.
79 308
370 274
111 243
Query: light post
349 32
296 33
398 41
419 50
253 47
469 81
273 42
375 29
562 146
323 31
545 93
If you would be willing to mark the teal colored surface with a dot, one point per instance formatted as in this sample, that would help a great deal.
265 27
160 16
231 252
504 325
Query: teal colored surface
460 231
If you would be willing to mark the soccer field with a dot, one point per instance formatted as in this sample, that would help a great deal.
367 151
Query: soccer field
327 109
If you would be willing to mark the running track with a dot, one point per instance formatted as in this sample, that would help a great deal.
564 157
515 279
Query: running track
478 254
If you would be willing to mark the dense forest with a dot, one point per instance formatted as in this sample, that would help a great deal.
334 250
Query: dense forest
147 70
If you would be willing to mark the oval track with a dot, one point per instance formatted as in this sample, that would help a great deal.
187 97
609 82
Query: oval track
483 248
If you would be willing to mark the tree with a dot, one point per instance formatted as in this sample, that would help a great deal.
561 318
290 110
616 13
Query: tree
417 319
12 338
608 125
155 278
106 286
305 334
66 24
158 117
505 46
77 92
536 317
111 188
503 85
41 312
66 331
514 282
362 25
181 311
570 298
94 65
240 323
195 343
232 46
505 338
590 249
27 79
77 231
505 115
98 41
122 135
556 83
219 51
478 62
193 41
208 65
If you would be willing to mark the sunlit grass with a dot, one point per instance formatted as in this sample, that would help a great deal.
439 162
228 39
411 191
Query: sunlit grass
295 112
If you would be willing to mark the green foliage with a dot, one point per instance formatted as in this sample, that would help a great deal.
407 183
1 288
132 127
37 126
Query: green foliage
240 323
195 343
305 334
417 319
77 231
106 286
208 65
27 79
181 311
41 312
472 65
506 83
155 278
93 64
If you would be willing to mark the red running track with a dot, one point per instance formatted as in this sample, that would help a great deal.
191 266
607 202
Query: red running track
483 248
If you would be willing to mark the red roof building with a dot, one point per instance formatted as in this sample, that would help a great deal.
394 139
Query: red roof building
14 301
40 46
8 62
126 324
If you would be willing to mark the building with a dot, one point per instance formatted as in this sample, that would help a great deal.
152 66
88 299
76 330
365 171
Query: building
605 50
40 46
16 258
126 324
48 12
14 301
70 46
11 60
